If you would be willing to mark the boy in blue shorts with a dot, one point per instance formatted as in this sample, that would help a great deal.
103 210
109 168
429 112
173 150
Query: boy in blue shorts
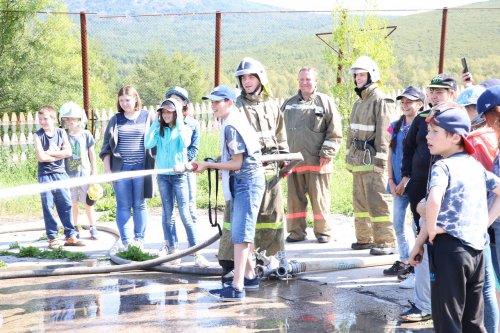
52 147
456 220
243 183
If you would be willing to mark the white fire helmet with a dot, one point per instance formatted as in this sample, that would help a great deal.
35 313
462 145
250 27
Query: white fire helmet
249 65
72 110
365 64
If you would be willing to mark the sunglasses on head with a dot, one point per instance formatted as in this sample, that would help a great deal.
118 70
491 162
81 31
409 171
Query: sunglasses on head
434 113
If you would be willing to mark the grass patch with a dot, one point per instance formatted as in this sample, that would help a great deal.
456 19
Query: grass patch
34 252
134 253
3 264
14 245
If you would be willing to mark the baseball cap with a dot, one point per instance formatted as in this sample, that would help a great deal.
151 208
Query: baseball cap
443 81
181 92
488 100
412 93
490 83
170 102
221 92
454 119
470 95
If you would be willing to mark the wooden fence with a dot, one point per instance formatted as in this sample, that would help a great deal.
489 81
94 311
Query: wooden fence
16 130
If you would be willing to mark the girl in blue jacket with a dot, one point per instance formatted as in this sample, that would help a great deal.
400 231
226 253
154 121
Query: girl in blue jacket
171 138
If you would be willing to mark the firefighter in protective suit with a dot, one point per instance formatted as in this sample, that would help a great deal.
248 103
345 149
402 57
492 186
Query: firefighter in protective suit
367 152
264 116
314 128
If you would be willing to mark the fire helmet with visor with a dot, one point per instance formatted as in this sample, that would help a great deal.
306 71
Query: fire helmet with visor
72 110
249 65
365 64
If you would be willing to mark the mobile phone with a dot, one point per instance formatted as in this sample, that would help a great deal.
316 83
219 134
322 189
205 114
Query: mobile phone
464 65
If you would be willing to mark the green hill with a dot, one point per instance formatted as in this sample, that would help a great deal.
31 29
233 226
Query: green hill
286 41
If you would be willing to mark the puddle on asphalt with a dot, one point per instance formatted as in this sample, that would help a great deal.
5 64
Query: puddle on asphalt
127 300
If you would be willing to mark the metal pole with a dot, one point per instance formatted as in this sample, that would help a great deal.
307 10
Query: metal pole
443 40
218 25
339 67
85 71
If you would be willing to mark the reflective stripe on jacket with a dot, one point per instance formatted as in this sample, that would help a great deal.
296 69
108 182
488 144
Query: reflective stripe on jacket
370 117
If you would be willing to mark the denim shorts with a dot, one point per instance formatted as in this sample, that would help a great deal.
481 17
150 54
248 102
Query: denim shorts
247 197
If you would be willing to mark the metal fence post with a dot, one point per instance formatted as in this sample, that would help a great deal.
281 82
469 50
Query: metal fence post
85 72
443 40
218 25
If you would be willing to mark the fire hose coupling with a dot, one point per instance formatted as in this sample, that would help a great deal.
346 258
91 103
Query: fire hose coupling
290 268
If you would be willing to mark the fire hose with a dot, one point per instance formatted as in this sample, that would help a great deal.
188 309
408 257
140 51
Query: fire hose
144 265
278 266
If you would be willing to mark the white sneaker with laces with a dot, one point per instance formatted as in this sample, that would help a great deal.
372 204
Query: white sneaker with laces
201 261
409 283
175 261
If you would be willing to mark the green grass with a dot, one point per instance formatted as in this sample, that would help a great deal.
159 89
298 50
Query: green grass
14 174
134 253
34 252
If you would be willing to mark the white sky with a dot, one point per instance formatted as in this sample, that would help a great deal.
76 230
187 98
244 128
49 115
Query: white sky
361 4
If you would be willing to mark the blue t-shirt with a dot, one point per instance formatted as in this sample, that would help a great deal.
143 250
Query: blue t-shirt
464 209
78 164
54 143
194 146
236 145
397 152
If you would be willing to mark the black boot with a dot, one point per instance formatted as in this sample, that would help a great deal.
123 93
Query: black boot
227 270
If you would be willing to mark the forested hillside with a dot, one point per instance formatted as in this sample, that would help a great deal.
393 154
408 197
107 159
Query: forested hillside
286 41
142 50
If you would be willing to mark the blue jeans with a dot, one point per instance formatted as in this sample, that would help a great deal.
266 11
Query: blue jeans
496 229
247 197
405 241
129 195
175 187
422 280
192 195
62 199
491 315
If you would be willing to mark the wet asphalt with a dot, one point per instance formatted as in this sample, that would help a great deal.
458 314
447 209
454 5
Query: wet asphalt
351 300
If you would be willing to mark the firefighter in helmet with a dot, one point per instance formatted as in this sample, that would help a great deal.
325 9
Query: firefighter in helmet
367 152
264 116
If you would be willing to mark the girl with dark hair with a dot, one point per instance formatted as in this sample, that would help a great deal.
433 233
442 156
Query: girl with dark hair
171 136
412 101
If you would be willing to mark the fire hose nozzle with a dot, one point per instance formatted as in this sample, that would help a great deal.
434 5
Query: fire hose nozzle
185 167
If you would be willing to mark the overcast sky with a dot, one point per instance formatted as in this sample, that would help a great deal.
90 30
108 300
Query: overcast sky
361 4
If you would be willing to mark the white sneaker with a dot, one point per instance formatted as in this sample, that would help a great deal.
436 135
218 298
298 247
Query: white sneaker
201 261
139 243
175 261
163 251
409 283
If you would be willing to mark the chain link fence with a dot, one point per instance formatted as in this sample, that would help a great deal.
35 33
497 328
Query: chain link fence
125 49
